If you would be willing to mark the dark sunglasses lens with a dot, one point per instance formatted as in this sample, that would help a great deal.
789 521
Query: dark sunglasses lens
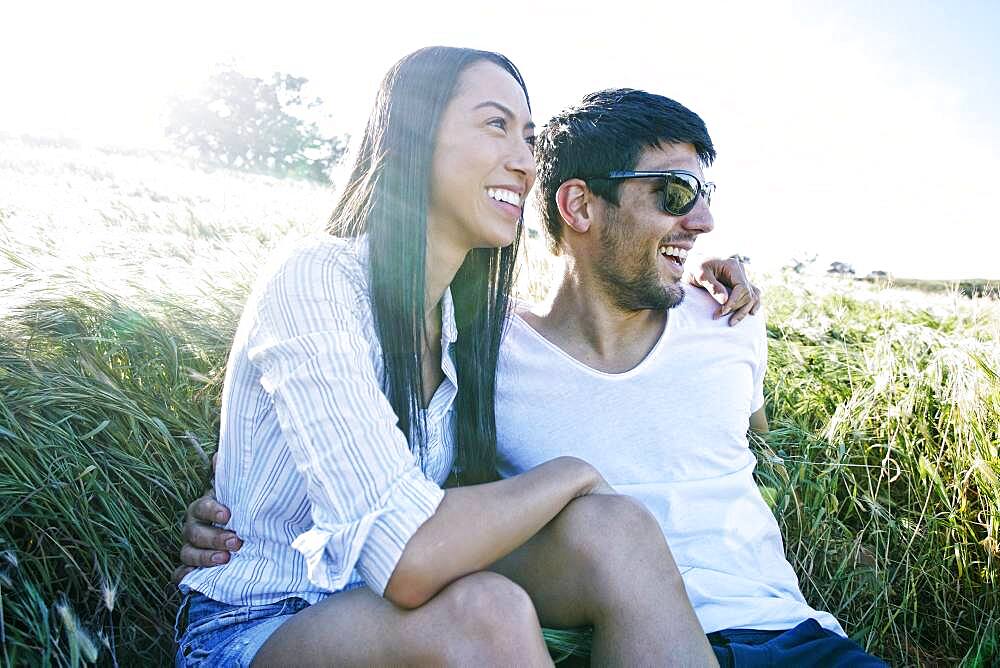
679 194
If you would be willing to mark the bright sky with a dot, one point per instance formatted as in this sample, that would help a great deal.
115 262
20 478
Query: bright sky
859 133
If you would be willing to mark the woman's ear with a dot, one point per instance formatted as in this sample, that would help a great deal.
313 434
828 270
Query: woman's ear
575 202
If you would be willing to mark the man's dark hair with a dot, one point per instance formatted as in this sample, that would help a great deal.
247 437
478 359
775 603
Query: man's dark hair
607 131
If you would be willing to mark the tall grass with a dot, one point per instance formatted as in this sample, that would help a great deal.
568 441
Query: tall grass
106 414
882 465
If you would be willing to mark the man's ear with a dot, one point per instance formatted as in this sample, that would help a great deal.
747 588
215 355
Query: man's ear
575 202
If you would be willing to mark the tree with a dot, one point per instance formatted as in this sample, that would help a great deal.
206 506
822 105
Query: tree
800 265
255 125
841 268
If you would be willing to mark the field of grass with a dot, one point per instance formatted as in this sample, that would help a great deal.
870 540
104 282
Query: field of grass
970 287
121 279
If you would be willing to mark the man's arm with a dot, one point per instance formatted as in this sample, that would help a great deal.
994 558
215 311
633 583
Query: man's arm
758 421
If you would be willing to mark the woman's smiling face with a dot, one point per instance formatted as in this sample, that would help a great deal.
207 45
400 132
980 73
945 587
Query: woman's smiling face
483 164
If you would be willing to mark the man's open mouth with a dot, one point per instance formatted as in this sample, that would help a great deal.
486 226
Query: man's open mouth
678 255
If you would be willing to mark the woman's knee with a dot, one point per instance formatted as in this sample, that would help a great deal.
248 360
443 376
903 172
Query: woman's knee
489 600
492 614
480 619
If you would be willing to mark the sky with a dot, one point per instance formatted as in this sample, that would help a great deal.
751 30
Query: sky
854 131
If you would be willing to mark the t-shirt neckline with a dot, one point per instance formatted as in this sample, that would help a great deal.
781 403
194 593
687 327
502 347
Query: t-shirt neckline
586 368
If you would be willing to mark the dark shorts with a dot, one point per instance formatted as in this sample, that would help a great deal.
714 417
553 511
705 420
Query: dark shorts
808 644
210 633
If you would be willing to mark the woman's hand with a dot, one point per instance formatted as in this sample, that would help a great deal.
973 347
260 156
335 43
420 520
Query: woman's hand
205 545
727 282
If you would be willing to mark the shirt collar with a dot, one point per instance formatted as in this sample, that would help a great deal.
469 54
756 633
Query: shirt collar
449 329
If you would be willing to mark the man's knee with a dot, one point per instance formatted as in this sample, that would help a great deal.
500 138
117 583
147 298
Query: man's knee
609 537
609 525
615 551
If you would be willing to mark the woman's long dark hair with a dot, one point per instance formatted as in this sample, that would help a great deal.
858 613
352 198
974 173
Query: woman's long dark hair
387 198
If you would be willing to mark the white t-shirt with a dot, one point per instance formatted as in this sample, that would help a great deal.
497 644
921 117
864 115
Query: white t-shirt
672 433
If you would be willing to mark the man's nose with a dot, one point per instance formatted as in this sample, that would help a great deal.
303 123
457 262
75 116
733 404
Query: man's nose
699 220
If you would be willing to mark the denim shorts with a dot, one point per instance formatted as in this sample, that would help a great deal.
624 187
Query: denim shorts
210 633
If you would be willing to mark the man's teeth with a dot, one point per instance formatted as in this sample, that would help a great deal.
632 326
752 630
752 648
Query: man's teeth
504 195
680 254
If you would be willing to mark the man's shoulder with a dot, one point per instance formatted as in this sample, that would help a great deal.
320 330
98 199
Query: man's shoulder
699 302
699 308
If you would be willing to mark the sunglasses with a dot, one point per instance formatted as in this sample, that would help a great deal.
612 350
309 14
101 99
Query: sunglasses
680 188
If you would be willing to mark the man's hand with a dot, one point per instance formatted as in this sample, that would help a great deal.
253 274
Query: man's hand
205 545
728 284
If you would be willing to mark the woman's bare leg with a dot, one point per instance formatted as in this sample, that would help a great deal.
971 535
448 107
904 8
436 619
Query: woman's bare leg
603 561
480 619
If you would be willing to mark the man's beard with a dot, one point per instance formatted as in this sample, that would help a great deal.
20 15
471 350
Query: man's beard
629 278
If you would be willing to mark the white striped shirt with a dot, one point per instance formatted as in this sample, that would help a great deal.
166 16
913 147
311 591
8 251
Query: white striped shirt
323 488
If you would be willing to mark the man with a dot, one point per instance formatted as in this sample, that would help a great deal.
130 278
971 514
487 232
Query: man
632 373
635 375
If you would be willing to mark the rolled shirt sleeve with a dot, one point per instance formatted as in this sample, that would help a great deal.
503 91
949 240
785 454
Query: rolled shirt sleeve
367 491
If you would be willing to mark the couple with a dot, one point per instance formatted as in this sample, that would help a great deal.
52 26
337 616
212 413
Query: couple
380 377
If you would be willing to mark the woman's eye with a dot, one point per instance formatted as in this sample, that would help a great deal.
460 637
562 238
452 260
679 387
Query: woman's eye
498 123
530 141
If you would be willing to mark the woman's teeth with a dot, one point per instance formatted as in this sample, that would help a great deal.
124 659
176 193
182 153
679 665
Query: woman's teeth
678 254
504 195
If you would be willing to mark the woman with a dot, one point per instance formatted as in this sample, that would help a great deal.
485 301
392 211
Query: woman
362 373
